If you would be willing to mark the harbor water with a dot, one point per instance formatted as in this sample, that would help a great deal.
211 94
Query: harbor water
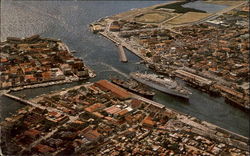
208 7
68 21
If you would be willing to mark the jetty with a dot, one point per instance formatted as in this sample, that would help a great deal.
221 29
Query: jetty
122 55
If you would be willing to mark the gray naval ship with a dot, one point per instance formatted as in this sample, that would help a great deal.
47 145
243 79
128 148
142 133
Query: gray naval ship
160 83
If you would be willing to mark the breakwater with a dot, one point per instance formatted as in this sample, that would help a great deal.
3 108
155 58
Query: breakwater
122 55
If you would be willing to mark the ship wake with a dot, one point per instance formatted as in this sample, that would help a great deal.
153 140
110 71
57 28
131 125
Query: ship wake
114 69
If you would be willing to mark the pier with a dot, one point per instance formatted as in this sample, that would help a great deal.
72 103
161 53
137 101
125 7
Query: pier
122 55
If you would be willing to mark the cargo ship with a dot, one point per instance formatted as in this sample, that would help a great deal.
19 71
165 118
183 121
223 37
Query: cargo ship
134 87
162 84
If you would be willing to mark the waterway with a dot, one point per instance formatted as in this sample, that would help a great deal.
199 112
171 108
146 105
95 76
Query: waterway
68 21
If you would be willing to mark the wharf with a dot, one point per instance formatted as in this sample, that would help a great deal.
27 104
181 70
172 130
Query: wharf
49 83
108 37
125 45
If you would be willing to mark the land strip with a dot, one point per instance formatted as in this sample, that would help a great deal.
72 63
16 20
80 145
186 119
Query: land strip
213 48
102 118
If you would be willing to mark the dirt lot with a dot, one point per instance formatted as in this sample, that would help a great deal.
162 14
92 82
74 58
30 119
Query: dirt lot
125 15
188 17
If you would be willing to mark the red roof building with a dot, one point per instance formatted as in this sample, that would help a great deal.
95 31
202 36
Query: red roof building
94 107
112 110
135 103
44 149
32 133
148 122
117 91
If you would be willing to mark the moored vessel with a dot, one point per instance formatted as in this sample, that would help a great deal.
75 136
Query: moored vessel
162 84
134 87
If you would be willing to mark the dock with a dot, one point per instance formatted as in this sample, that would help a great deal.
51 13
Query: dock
122 55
